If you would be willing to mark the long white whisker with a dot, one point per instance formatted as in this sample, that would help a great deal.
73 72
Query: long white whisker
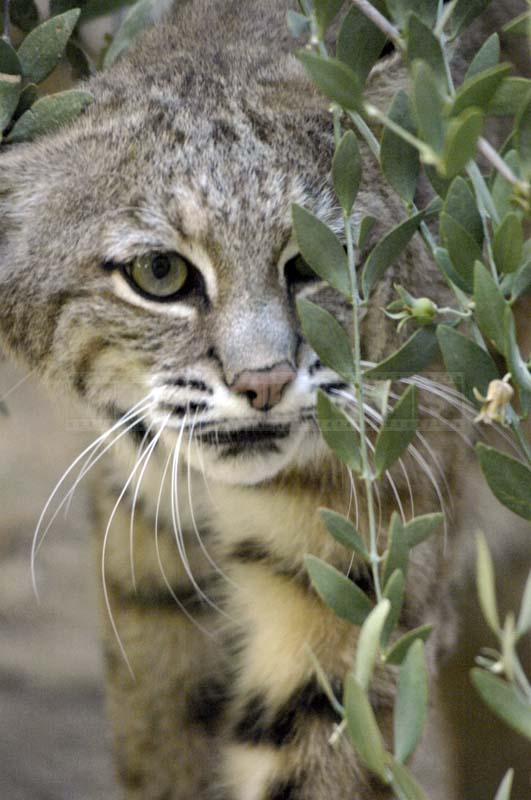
95 456
204 550
94 460
159 558
176 517
104 552
150 449
37 538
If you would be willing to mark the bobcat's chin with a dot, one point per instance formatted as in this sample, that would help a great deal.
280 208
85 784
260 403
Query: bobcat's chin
255 455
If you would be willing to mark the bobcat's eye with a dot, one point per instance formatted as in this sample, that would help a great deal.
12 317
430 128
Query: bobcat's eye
297 270
158 275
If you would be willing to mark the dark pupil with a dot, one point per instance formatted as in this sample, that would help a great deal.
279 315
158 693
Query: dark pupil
160 267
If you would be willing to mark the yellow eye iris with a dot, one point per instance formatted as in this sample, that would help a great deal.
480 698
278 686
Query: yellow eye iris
160 275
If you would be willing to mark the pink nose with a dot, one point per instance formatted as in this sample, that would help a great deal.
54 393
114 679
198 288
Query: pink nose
264 388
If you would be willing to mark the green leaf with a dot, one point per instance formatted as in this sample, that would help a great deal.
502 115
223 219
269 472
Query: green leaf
369 643
49 113
346 173
327 337
42 49
334 79
460 204
398 651
517 366
486 584
322 250
479 90
139 17
524 618
467 364
442 257
520 281
465 13
508 243
490 307
428 106
523 138
504 790
398 431
421 528
502 698
388 250
366 225
338 432
400 161
520 25
440 184
411 703
397 549
394 592
9 61
401 9
415 355
363 728
509 480
423 45
463 250
325 12
487 57
298 24
9 96
338 592
359 43
502 190
344 532
510 96
461 141
404 784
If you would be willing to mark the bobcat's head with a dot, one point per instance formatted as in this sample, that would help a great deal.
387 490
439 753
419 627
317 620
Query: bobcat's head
147 258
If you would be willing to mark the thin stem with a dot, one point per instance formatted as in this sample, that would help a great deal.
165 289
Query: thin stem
366 133
367 475
428 155
488 151
380 21
6 36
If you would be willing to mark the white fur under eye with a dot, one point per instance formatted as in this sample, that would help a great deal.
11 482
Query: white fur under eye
178 309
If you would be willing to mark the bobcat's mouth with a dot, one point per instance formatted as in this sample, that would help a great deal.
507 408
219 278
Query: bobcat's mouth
244 437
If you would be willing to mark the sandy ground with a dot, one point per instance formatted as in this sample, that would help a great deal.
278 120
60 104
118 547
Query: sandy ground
54 742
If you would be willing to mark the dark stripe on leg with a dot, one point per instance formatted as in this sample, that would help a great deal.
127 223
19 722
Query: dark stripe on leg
258 725
284 790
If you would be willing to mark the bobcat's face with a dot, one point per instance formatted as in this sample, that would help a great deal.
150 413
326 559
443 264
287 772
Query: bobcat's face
148 262
156 260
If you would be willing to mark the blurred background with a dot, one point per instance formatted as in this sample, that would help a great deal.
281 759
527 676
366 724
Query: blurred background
54 743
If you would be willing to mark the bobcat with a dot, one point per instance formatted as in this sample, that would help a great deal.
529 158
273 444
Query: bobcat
148 267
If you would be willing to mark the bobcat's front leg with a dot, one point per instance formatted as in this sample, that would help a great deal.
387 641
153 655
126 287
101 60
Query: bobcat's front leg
280 721
166 715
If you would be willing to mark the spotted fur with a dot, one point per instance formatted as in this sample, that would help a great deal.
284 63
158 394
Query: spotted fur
199 141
